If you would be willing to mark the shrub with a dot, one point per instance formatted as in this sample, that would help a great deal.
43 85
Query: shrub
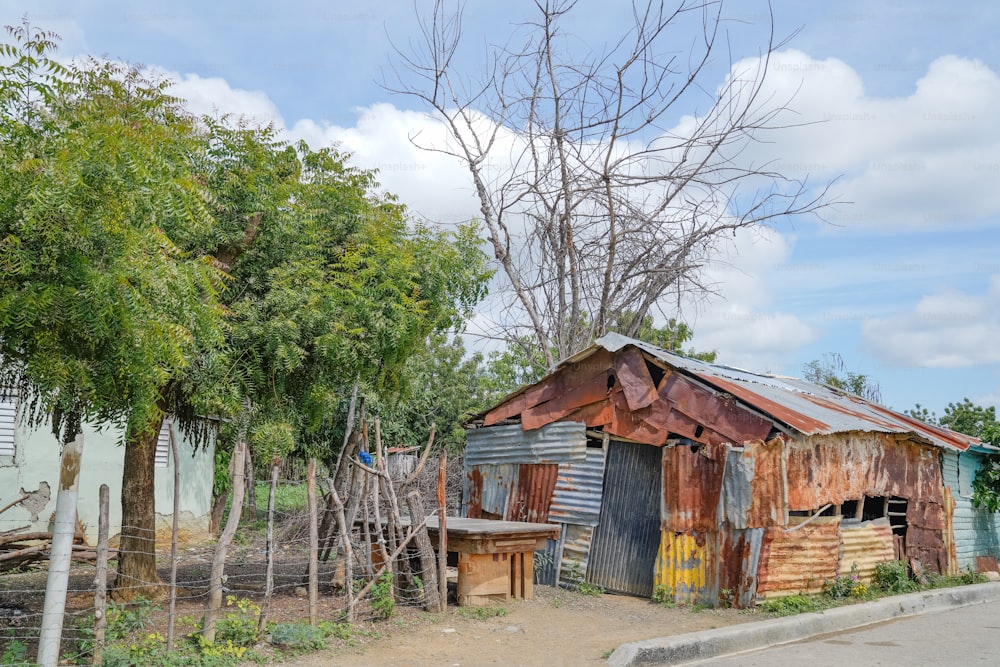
789 605
891 577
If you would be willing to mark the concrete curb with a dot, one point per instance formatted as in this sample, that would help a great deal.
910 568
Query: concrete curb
751 636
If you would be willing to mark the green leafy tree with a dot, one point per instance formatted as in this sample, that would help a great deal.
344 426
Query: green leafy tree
443 385
832 371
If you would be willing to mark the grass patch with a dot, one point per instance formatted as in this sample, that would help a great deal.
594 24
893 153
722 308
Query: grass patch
482 613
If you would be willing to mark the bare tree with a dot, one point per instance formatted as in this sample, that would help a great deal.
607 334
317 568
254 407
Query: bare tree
599 198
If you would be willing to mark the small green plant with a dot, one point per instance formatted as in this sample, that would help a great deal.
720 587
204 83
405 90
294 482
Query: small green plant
300 636
240 625
587 588
14 653
846 586
383 600
789 605
727 598
663 595
482 613
891 577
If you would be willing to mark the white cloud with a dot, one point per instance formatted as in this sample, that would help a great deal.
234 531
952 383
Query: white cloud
924 161
741 323
949 329
214 96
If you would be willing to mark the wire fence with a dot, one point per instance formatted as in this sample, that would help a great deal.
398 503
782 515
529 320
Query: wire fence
312 551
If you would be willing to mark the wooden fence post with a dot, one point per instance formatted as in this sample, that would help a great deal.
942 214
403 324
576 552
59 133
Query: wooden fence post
269 575
237 471
428 567
442 498
101 578
172 614
313 545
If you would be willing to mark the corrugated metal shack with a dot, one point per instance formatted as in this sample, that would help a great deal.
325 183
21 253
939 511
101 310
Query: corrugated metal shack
976 532
700 482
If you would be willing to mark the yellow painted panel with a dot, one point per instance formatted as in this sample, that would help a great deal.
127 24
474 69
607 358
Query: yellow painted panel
681 572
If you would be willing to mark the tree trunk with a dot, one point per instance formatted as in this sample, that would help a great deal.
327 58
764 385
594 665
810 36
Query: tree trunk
137 553
218 509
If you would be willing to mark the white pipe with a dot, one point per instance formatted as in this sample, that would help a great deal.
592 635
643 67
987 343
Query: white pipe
62 548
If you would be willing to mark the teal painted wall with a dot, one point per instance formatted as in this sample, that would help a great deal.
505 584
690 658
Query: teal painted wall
977 533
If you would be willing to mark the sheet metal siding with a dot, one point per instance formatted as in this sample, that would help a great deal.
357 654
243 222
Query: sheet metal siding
488 489
834 469
577 496
737 494
535 483
559 442
799 561
574 552
623 554
865 545
545 563
692 483
684 567
738 560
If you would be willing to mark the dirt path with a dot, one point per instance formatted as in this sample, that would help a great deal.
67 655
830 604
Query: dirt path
555 628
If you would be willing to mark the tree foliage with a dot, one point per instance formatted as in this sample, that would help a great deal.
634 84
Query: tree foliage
832 371
595 201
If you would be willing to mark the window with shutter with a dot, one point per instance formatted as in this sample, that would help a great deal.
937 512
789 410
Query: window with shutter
163 445
8 424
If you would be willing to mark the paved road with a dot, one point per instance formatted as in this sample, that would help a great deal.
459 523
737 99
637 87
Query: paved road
966 636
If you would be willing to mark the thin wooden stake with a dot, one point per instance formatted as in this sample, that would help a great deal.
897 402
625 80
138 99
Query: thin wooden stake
236 469
172 614
345 538
442 498
101 578
269 575
313 546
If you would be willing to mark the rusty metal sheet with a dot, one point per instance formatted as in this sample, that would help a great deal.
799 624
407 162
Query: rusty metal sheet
806 407
739 557
535 483
714 411
837 468
767 507
692 484
487 489
568 375
579 487
555 443
799 560
635 379
865 544
927 547
593 390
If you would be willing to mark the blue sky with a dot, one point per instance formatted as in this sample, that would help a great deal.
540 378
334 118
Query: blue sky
901 97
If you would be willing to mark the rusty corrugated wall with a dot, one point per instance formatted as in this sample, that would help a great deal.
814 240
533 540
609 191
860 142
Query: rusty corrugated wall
692 482
799 560
554 443
837 468
739 558
531 499
865 545
487 489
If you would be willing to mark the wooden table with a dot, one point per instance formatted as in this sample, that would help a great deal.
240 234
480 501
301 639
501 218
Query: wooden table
496 559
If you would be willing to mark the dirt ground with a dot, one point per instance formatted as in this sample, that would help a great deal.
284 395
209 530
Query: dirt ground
555 628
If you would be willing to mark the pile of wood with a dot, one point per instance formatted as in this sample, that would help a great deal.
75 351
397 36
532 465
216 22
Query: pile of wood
19 547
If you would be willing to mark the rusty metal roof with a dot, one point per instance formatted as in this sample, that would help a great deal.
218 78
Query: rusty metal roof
802 406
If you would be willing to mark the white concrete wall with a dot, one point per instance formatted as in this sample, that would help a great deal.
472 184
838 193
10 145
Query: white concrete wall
36 460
